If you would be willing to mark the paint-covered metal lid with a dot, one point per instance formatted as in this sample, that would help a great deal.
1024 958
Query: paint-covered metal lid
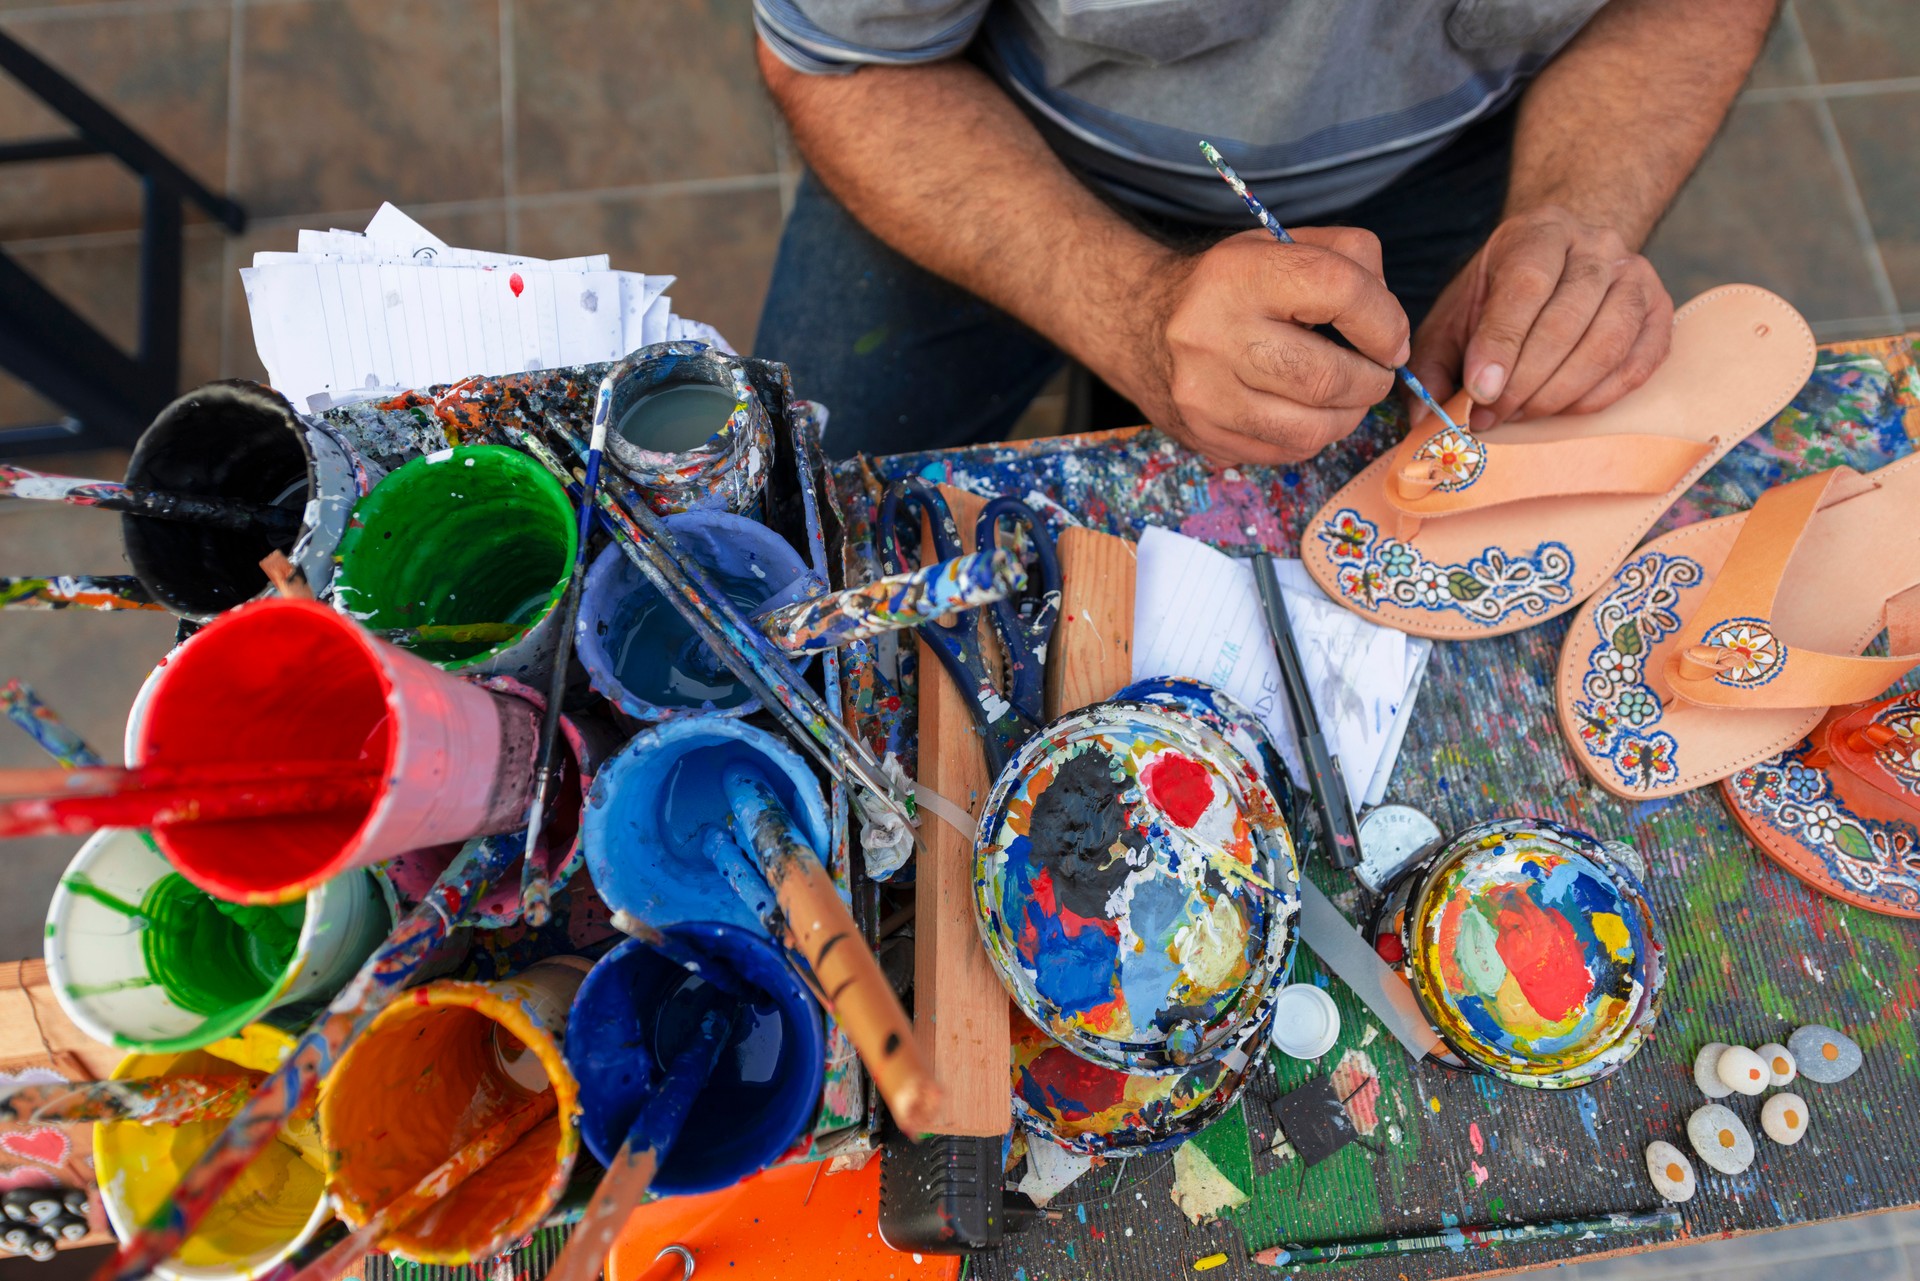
1531 948
1135 882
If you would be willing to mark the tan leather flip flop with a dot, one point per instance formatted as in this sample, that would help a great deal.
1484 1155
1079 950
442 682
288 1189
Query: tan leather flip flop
1841 810
1721 644
1457 535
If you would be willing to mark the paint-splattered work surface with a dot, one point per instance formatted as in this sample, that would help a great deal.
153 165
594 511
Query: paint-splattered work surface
1753 954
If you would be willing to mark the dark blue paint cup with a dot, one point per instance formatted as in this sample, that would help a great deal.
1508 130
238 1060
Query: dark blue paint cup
637 1009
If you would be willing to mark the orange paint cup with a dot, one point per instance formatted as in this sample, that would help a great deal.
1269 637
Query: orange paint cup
438 1066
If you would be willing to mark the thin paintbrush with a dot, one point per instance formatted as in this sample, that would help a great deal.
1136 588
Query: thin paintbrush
536 891
1458 1239
202 803
76 591
1324 777
1272 224
148 1100
38 722
192 509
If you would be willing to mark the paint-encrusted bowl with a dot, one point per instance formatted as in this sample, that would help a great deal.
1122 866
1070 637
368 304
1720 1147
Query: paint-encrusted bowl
1136 886
1532 950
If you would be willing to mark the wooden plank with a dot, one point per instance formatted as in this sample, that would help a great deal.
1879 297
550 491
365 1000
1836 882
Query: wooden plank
959 1005
1092 653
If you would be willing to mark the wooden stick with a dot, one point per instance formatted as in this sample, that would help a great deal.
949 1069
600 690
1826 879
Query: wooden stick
824 932
285 576
631 1172
432 1189
161 806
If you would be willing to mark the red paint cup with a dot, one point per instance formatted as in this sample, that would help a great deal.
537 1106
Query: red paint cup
283 680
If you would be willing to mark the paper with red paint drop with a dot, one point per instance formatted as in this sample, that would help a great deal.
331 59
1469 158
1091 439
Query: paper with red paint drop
516 283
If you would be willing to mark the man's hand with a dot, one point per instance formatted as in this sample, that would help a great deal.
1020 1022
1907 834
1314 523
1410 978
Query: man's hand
1553 315
1232 366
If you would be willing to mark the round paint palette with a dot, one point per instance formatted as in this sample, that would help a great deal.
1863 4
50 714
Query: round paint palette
1136 884
1531 949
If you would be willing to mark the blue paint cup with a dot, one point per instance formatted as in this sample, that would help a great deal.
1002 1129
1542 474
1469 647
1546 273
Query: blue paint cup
637 649
637 1009
651 806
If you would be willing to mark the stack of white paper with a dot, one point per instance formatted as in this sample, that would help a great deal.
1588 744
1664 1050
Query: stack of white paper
1197 613
394 306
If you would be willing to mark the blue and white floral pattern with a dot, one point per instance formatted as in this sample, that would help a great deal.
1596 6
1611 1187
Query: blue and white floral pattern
1619 710
1373 571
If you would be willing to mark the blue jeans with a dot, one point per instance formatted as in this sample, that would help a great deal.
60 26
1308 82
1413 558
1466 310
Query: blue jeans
903 360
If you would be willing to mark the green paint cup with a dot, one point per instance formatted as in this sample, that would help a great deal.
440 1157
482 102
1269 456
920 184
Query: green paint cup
141 958
479 534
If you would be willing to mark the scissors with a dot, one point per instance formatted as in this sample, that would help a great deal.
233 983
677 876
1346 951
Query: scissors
1024 625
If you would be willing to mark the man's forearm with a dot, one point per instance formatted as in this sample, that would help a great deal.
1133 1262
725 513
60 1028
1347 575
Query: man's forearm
940 164
1613 126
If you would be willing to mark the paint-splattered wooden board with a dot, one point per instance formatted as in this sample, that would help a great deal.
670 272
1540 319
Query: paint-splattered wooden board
1753 952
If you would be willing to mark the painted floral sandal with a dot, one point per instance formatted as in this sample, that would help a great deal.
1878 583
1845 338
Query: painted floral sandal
1454 535
1841 810
1722 644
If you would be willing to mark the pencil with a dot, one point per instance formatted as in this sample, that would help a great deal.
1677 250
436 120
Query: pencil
1611 1225
1272 224
1324 777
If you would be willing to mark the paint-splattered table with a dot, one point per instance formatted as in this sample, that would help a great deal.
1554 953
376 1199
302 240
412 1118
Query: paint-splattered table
1753 952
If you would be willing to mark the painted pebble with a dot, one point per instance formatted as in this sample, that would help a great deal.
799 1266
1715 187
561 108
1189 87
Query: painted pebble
1741 1069
1784 1118
1780 1066
1704 1075
1823 1054
1720 1138
1671 1172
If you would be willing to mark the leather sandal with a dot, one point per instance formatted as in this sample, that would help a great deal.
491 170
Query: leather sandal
1456 534
1724 643
1841 810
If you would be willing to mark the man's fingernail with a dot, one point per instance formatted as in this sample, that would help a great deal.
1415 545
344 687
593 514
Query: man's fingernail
1491 382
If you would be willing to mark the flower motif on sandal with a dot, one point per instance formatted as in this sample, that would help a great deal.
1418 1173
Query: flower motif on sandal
1617 716
1752 654
1372 571
1874 858
1901 757
1458 457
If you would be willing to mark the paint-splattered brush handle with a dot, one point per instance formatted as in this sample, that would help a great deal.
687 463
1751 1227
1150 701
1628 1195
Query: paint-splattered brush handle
823 930
431 1189
153 1100
218 513
161 806
450 633
392 966
713 969
894 602
1611 1225
76 591
38 721
107 780
1272 224
653 1135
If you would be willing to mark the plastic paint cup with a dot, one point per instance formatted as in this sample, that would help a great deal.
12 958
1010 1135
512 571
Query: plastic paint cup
243 441
293 680
650 805
658 393
276 1206
479 534
436 1068
637 1009
1306 1022
638 650
140 957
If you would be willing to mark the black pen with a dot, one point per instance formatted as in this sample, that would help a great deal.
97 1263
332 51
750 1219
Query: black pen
1324 779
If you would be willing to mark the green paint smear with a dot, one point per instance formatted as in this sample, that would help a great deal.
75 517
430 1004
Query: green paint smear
483 536
210 956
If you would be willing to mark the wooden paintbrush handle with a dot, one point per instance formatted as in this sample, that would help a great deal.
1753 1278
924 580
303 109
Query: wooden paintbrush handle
858 994
619 1192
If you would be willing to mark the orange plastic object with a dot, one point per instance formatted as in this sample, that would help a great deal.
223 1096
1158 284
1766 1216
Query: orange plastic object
780 1225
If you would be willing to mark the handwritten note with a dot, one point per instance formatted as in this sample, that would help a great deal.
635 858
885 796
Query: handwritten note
1197 613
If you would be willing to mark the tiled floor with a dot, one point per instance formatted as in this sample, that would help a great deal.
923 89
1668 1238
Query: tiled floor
562 127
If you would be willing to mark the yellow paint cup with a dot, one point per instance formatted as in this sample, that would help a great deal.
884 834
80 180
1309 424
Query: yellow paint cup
275 1207
440 1065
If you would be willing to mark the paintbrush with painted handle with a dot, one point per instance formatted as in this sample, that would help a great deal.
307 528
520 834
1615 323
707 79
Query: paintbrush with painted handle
1279 233
827 938
149 1100
39 722
631 1171
686 955
1457 1239
753 660
536 891
393 965
161 806
279 523
76 591
893 603
109 780
433 1188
